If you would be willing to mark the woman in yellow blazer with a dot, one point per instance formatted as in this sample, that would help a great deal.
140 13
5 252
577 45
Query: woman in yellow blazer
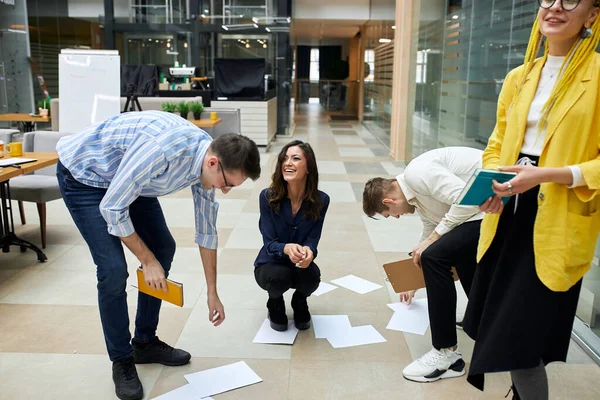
534 251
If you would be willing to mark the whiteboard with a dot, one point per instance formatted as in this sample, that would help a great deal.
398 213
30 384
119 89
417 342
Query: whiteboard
89 88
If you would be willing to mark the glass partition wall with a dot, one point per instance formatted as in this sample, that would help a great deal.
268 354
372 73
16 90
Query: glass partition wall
464 51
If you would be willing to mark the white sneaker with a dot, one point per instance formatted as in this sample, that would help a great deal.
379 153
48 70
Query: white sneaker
436 365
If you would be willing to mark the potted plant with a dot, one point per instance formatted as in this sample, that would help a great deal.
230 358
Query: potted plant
43 108
197 109
169 107
184 109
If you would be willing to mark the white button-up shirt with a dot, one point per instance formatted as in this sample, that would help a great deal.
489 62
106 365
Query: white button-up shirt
433 181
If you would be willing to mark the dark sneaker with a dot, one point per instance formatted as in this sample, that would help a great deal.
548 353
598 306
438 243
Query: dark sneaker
459 325
158 352
277 317
301 313
127 383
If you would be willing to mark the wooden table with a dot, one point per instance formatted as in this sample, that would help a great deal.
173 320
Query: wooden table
206 123
27 120
7 225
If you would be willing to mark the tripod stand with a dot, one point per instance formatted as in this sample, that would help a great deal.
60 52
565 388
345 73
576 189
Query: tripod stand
132 100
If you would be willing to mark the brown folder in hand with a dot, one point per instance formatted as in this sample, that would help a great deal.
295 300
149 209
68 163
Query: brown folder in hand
404 275
174 293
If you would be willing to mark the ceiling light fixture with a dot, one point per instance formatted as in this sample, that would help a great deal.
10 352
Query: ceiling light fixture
384 40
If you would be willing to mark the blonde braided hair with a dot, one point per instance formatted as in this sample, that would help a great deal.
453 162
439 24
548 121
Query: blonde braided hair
577 57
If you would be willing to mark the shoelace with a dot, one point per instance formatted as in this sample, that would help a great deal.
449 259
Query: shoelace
431 358
162 345
129 370
522 161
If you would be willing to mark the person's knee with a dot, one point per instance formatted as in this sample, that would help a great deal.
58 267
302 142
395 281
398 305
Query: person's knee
166 252
112 281
427 256
273 279
310 279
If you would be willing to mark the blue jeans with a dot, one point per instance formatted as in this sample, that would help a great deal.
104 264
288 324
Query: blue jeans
148 220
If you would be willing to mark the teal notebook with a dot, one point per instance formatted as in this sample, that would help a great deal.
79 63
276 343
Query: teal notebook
479 187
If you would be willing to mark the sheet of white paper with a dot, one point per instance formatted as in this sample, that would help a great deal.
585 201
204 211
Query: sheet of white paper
357 336
412 318
356 284
323 288
185 392
222 379
268 335
330 325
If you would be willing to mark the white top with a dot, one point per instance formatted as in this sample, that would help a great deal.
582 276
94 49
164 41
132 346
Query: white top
533 142
433 181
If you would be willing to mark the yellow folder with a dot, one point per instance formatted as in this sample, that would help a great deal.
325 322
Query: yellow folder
174 293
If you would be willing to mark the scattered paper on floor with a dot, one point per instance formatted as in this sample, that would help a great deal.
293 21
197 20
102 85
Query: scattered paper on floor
222 379
356 284
330 325
185 392
268 335
323 288
413 318
356 336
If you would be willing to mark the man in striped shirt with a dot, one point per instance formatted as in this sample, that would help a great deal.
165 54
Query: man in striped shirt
110 176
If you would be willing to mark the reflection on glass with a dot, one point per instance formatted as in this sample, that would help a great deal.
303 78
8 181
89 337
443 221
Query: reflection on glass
164 50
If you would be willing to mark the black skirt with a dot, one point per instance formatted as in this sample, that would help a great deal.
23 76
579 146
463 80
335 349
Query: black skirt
515 320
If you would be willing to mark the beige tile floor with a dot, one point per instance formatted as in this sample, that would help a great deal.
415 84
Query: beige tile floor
51 345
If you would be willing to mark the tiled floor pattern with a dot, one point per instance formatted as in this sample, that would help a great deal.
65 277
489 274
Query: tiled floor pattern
51 344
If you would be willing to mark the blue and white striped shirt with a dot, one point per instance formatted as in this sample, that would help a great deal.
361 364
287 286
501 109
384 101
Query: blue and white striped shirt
148 154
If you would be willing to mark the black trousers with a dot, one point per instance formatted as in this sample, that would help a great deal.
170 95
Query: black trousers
278 278
458 249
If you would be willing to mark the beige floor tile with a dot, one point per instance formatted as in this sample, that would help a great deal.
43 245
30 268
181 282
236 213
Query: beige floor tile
496 387
342 300
17 260
55 329
394 235
344 237
56 213
573 381
274 373
336 264
331 168
356 380
235 194
239 292
55 234
232 339
60 377
9 278
54 287
237 261
248 220
339 192
245 238
394 350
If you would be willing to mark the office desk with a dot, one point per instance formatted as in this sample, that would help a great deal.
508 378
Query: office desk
7 226
27 120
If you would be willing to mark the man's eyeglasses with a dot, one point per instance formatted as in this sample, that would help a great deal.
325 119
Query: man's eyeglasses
227 185
567 5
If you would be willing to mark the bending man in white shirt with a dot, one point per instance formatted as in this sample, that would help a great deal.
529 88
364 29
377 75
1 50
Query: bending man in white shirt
430 184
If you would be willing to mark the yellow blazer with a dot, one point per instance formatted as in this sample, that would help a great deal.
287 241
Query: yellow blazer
568 220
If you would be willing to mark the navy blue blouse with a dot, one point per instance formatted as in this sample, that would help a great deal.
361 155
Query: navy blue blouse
279 229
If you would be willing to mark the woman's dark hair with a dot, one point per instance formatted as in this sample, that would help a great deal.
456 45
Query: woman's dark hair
237 153
278 191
